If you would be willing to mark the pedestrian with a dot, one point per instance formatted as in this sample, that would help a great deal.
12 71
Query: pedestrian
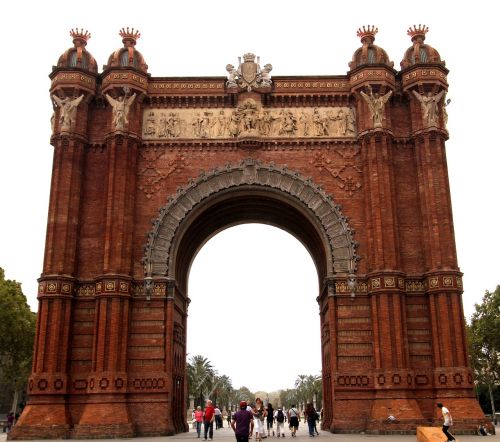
228 418
270 419
198 419
242 423
310 416
218 417
448 421
208 420
280 421
293 419
10 421
259 414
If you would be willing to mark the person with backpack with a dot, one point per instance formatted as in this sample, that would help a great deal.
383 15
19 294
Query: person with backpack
279 416
293 419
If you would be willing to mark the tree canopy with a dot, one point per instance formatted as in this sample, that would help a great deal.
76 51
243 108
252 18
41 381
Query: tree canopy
17 334
484 342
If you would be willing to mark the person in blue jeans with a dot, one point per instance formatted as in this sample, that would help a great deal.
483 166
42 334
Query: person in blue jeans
311 416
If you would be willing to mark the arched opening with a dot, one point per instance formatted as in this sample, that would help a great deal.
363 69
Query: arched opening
234 195
252 289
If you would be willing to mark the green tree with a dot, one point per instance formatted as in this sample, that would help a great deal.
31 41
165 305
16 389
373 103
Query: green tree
222 390
484 342
17 334
200 373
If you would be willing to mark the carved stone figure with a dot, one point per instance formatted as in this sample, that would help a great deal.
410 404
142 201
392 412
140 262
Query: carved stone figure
121 108
67 111
305 124
234 124
218 125
446 103
376 103
249 119
350 121
249 75
265 76
320 123
248 112
342 124
288 124
232 76
150 124
265 123
430 109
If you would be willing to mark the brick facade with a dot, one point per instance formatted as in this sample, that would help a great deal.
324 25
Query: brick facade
367 194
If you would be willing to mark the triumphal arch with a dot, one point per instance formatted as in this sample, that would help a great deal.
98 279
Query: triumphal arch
146 169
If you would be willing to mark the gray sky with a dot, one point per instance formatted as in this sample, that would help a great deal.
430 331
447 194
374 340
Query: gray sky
188 38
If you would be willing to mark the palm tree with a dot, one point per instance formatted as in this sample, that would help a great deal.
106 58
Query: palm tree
200 373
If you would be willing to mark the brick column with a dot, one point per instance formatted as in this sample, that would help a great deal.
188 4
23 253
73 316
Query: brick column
452 377
386 289
46 414
107 415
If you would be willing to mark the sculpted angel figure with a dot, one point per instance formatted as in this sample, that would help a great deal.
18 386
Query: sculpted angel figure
121 107
376 103
67 113
430 109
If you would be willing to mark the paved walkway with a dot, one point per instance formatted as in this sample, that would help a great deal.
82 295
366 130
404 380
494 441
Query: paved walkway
226 435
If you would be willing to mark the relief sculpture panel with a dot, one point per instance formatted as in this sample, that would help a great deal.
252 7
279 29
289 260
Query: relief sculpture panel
249 119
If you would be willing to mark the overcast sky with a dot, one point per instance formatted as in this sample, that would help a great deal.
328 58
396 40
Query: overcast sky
274 295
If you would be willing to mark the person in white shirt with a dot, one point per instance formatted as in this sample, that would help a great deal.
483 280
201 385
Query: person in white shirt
447 421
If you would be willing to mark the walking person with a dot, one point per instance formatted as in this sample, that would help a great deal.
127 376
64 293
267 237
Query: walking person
310 416
242 423
293 419
208 420
218 417
270 419
198 419
259 414
448 421
10 421
280 417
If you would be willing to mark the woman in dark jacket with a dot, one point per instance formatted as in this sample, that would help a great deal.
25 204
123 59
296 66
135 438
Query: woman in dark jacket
311 417
270 419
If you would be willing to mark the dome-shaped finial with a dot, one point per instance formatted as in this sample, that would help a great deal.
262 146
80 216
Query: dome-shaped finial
420 52
80 36
416 32
78 56
129 36
367 33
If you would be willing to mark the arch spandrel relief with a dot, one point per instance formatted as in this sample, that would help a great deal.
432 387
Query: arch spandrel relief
249 118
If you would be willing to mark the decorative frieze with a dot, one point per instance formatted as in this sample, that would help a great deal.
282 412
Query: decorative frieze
249 119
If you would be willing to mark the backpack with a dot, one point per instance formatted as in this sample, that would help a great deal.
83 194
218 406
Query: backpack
280 417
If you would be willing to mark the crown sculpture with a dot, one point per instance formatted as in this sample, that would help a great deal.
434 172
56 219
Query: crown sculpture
80 36
416 32
130 36
367 33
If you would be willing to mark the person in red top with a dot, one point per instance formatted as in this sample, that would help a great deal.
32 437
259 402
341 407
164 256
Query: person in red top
208 420
198 418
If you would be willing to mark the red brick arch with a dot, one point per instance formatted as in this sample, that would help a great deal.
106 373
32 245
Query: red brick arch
249 192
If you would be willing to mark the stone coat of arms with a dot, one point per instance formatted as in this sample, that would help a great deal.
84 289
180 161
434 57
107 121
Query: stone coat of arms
249 74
